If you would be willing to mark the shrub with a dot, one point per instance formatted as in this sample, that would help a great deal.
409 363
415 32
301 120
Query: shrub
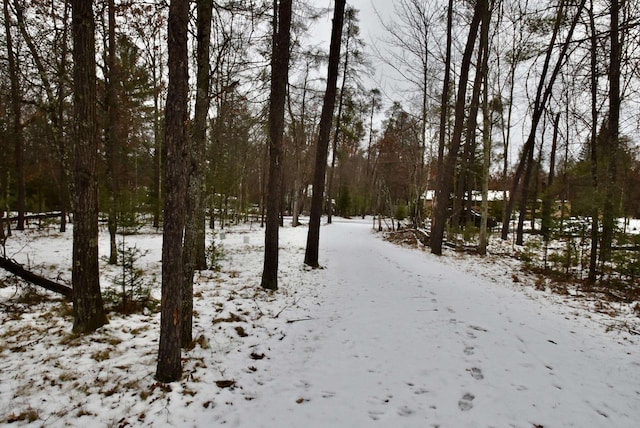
215 253
132 291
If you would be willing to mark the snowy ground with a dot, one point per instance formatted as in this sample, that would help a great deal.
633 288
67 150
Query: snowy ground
382 336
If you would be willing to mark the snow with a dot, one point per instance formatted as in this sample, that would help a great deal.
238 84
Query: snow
382 335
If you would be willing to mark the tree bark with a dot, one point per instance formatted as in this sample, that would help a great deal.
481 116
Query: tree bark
169 367
369 182
595 207
88 310
194 237
110 134
446 90
16 119
279 78
324 131
158 148
299 141
486 131
612 134
464 178
547 200
445 175
336 133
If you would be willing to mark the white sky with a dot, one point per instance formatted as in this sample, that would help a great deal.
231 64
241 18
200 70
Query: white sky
371 31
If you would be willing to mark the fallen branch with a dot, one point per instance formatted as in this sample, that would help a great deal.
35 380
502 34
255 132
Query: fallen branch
39 216
287 306
298 320
31 277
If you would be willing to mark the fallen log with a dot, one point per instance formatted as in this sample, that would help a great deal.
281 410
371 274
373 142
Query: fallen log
34 279
38 216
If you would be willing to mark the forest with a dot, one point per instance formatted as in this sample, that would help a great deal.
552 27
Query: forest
504 120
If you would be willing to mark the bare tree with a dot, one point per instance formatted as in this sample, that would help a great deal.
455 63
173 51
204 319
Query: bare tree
411 38
326 118
352 30
593 152
16 117
54 102
486 128
612 131
194 238
374 106
543 93
279 77
169 367
445 175
88 310
111 138
446 92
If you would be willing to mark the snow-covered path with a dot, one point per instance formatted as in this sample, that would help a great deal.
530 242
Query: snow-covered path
399 339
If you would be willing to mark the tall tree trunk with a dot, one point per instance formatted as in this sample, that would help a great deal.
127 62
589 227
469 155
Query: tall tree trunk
300 141
445 175
158 151
446 90
486 130
59 137
279 78
540 102
199 147
506 133
194 235
464 178
88 310
595 206
16 118
422 181
612 135
4 186
111 139
313 236
336 133
369 184
169 366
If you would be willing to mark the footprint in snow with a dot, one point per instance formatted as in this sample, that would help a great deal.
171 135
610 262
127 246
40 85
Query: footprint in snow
375 414
469 350
466 402
476 373
404 411
475 328
303 384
